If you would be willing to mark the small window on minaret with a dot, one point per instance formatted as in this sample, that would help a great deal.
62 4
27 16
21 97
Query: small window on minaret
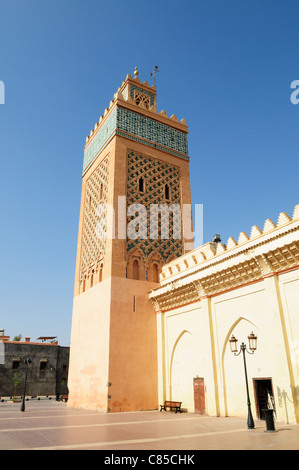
135 270
101 191
141 185
167 192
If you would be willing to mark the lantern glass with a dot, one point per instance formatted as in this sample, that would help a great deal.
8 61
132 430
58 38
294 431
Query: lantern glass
233 342
252 341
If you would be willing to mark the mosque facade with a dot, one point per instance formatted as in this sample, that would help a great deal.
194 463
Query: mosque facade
152 316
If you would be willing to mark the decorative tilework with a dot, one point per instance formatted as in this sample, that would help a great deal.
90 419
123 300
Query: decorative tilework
99 141
136 127
125 92
155 174
152 130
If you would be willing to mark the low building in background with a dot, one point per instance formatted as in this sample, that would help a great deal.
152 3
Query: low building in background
47 372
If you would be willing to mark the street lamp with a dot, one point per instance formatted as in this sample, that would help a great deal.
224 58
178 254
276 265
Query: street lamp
252 339
27 362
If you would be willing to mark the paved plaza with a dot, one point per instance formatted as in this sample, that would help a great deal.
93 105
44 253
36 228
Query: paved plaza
51 425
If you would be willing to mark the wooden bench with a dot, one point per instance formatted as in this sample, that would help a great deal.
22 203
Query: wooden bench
172 404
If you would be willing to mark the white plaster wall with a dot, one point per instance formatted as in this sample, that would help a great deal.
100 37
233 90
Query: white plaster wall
186 338
252 308
289 288
187 354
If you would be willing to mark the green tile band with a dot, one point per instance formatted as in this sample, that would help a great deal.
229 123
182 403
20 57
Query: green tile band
136 127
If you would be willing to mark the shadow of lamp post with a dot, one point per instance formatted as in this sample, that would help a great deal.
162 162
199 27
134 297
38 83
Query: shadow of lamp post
252 339
27 362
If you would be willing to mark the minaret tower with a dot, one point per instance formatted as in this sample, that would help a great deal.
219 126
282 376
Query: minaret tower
135 177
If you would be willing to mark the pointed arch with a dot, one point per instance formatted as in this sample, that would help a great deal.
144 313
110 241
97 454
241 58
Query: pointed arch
155 272
175 345
136 265
174 348
228 335
136 269
233 326
154 266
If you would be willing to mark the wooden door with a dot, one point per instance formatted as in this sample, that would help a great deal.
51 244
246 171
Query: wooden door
263 395
199 395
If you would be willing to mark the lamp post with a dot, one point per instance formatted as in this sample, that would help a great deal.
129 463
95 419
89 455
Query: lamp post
252 339
27 362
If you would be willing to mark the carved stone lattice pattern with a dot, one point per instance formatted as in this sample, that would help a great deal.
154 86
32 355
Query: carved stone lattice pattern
155 176
95 219
135 89
141 98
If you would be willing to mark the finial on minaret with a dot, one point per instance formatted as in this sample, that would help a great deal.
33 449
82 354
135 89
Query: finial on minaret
136 72
155 69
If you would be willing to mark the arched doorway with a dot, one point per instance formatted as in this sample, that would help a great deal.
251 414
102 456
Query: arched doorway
234 391
184 368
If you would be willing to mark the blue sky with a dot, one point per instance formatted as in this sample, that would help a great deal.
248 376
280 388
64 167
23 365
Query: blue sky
224 66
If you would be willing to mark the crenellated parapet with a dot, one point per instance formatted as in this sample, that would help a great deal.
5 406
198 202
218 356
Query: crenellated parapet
216 267
132 113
